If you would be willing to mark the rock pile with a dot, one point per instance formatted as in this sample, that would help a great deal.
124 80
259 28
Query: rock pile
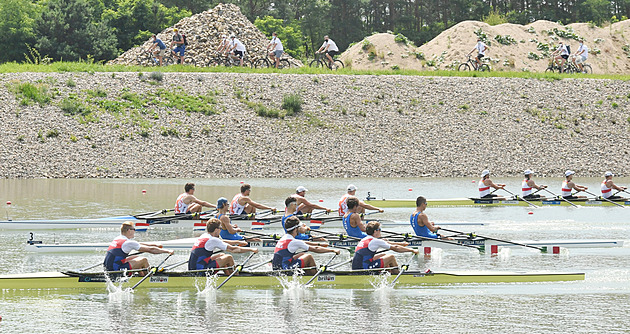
204 32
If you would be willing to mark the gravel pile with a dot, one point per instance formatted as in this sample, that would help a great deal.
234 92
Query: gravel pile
203 32
349 126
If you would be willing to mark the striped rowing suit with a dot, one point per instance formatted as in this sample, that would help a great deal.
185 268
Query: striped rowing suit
365 251
607 192
343 204
202 250
117 253
299 236
527 190
352 231
286 248
421 231
566 191
235 207
180 206
484 190
225 235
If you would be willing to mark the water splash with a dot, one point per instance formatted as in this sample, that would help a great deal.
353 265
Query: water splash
381 283
504 254
208 287
116 291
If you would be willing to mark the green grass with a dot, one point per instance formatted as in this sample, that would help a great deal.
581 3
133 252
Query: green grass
292 103
38 93
92 68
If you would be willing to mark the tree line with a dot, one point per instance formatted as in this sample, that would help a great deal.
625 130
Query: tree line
102 29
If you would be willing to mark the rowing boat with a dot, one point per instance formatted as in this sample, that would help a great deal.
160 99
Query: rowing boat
477 202
330 279
269 245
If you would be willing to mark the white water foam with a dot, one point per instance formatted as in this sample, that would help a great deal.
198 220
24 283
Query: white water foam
116 291
207 287
381 282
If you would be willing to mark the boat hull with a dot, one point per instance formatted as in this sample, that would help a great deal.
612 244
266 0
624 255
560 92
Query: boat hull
467 202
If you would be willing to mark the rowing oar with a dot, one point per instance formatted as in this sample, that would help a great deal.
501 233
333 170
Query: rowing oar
166 219
321 270
403 268
562 198
236 270
542 249
418 237
516 197
605 199
151 272
151 214
341 236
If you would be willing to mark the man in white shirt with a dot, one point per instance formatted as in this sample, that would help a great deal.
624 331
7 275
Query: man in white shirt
223 45
343 202
238 48
275 45
481 48
187 203
365 257
581 55
561 54
330 48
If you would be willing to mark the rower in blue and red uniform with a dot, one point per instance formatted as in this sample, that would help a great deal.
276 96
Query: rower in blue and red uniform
365 256
202 255
352 219
290 211
420 223
285 255
117 257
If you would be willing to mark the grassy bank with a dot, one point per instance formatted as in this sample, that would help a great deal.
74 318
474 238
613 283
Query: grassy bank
92 67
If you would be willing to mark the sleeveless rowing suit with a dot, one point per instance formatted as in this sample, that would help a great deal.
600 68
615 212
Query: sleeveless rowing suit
365 251
299 236
225 235
421 231
180 206
235 207
202 250
343 205
566 191
116 257
526 188
484 191
286 248
352 231
607 192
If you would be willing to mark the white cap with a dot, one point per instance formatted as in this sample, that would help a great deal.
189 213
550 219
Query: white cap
485 172
300 189
528 172
609 174
569 172
352 187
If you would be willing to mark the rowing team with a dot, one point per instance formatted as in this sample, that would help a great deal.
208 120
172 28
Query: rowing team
528 185
286 254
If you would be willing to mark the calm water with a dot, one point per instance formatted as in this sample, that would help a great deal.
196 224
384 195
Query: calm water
598 304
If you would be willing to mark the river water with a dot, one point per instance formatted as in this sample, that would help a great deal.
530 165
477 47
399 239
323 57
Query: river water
598 304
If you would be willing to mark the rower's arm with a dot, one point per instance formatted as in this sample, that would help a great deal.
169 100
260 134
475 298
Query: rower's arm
306 203
533 184
579 187
235 242
318 249
496 186
369 207
401 249
203 203
425 220
153 249
257 205
237 249
616 187
318 244
229 227
358 222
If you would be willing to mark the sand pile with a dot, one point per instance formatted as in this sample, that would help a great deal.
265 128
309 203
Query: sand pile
203 32
513 47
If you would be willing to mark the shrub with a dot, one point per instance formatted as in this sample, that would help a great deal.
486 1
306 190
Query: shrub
505 40
483 36
71 106
292 103
366 45
52 133
395 67
495 18
32 93
400 38
533 55
156 76
71 83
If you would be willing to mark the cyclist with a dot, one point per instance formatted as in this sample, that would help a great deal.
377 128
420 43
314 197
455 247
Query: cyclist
223 45
481 48
330 48
180 48
581 55
561 54
237 48
276 45
162 48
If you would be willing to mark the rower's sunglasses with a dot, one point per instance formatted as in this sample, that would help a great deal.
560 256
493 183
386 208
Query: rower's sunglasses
378 229
133 229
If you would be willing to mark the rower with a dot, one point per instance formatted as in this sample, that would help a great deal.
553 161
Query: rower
343 202
242 204
304 206
202 255
568 185
608 185
421 224
117 257
187 203
285 256
290 211
485 184
352 219
528 184
229 231
365 254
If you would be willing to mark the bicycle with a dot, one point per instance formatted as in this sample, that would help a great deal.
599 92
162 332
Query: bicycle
320 61
470 63
148 58
188 61
267 62
227 61
572 68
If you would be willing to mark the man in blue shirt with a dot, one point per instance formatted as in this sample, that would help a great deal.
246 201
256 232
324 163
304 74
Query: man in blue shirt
162 48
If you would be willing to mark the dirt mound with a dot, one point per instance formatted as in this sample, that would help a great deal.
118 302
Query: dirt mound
203 32
513 47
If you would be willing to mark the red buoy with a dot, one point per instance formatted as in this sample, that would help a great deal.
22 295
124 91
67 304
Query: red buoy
410 189
321 200
144 191
242 182
8 202
530 213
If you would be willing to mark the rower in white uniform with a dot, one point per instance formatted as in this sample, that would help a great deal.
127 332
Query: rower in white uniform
343 205
568 185
187 203
528 184
485 184
242 204
303 205
608 186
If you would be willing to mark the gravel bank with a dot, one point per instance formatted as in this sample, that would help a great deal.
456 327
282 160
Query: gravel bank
367 126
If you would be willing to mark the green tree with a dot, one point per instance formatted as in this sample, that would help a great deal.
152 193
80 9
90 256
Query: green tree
596 11
67 32
289 34
17 28
315 23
